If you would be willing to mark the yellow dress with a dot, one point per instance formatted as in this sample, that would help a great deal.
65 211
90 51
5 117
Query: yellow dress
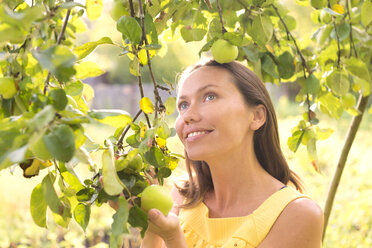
236 232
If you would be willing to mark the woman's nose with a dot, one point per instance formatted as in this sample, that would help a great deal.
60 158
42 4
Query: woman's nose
191 115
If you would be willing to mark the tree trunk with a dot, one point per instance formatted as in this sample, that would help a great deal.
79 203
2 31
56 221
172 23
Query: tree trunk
353 128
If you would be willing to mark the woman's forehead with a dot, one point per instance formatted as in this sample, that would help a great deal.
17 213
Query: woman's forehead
205 75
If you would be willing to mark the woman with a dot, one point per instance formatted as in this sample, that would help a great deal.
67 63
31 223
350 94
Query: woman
237 194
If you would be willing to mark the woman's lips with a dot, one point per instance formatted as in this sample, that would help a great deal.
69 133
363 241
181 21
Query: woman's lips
196 135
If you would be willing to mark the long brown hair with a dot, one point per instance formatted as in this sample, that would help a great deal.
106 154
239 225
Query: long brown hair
266 138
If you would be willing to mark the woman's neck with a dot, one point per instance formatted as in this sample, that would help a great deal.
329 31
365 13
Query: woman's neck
238 180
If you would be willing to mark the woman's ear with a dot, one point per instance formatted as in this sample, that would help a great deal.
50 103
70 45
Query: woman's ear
259 117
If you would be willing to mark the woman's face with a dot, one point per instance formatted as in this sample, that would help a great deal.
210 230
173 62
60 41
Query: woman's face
213 118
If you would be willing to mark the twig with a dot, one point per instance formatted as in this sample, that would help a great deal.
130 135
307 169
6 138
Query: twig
120 141
59 40
338 45
159 106
352 45
220 14
304 66
132 13
337 37
293 39
142 96
164 88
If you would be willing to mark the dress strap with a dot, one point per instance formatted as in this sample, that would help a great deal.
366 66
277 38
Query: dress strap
266 215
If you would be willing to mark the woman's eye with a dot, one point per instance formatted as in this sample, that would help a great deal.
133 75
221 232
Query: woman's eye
210 97
182 105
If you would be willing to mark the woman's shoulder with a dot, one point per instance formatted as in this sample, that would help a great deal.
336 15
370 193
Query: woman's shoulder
302 223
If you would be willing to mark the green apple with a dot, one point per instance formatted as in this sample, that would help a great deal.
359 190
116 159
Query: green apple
118 10
156 196
223 51
7 87
318 4
135 164
40 150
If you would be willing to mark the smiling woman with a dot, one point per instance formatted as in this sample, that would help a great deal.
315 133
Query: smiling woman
236 194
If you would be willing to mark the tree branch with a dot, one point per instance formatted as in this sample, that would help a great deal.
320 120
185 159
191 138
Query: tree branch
293 39
353 128
159 106
59 40
142 96
220 14
352 44
120 141
304 66
131 8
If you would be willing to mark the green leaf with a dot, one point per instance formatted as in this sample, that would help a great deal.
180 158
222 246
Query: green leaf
163 130
146 105
88 69
85 194
72 180
60 142
331 105
138 218
119 225
113 117
69 5
134 67
155 157
42 118
311 149
343 31
192 34
38 206
111 181
295 140
339 83
312 85
170 105
286 65
251 53
164 172
59 99
130 29
82 215
235 38
85 49
215 29
268 66
366 11
57 59
94 9
262 29
289 21
50 195
358 68
323 134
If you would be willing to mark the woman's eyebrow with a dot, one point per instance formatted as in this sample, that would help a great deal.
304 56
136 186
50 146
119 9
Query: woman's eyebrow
199 90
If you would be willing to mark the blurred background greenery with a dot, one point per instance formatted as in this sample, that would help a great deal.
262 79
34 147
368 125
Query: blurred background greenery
351 219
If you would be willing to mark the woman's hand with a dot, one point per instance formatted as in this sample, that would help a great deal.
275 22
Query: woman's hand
166 227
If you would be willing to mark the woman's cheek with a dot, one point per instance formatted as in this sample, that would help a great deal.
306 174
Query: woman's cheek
178 126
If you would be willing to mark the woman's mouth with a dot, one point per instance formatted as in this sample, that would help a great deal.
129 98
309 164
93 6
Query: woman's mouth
195 135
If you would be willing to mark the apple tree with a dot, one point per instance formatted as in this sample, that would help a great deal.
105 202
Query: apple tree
45 103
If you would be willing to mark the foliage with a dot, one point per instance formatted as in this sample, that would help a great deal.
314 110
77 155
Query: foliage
44 102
